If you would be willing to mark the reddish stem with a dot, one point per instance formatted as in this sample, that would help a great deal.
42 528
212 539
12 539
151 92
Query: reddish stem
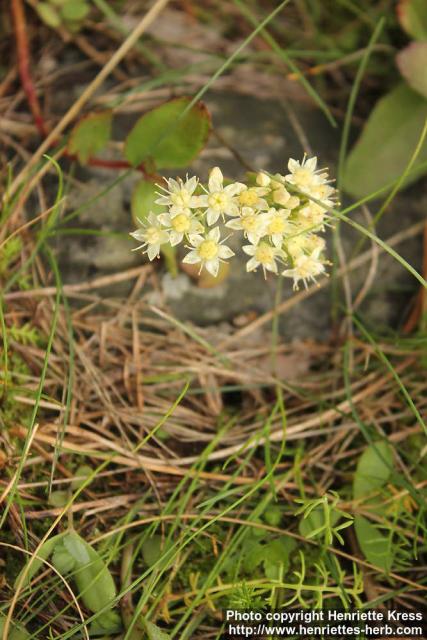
23 51
113 164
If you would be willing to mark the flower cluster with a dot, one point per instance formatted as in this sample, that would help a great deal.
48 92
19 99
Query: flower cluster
280 218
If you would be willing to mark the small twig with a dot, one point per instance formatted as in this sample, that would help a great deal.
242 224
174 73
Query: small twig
103 281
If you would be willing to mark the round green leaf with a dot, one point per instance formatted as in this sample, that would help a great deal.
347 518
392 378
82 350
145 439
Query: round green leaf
170 135
273 515
373 470
90 135
387 143
82 473
58 498
412 16
143 201
74 10
412 63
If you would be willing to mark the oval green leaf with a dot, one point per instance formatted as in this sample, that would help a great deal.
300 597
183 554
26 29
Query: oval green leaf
62 559
374 545
43 554
412 63
373 470
90 135
48 14
170 135
387 143
93 578
412 16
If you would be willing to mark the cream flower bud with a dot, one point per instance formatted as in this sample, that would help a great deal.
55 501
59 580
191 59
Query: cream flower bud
293 202
262 179
281 196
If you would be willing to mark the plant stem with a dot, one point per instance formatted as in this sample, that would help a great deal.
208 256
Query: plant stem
23 54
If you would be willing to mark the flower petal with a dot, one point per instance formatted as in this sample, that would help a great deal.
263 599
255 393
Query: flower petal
214 234
225 252
175 238
212 266
191 258
211 216
215 180
249 249
164 219
153 251
251 264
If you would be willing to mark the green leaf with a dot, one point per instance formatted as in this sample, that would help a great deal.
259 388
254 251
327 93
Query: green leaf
43 554
153 549
90 135
143 200
273 515
58 498
82 473
412 63
75 10
154 632
253 554
412 16
77 548
48 14
16 631
276 556
314 523
108 622
62 559
93 579
374 545
167 136
387 143
373 469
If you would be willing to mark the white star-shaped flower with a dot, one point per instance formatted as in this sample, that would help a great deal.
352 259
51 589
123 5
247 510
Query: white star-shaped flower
303 243
220 200
278 225
306 268
179 195
208 250
180 225
263 254
252 197
152 236
304 174
252 223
